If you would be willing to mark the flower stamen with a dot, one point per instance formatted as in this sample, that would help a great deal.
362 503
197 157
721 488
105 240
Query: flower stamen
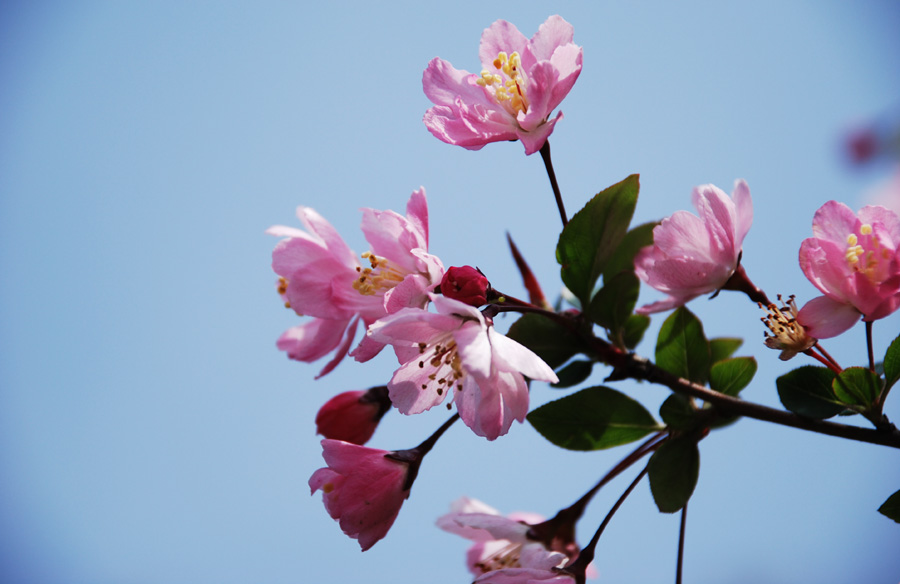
507 89
380 276
785 333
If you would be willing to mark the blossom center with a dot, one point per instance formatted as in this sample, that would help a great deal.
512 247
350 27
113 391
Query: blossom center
282 290
442 358
506 557
506 83
785 333
379 277
866 255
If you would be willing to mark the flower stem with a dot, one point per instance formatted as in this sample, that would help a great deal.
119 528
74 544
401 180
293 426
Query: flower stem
869 346
681 531
414 456
578 567
740 282
828 356
821 359
629 365
548 164
562 526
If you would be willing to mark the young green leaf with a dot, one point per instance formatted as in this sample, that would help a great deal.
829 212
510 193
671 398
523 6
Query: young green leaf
807 391
856 386
891 507
722 348
678 412
551 341
614 303
682 348
634 330
573 373
593 419
623 259
892 364
592 236
673 471
730 376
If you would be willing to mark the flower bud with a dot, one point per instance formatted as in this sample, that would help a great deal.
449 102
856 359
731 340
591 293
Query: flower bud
465 284
352 416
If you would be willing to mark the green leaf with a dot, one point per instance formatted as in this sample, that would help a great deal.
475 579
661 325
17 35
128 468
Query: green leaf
673 470
623 259
723 348
807 391
593 419
678 412
613 304
730 376
591 237
549 340
573 373
856 386
682 348
634 330
891 507
892 364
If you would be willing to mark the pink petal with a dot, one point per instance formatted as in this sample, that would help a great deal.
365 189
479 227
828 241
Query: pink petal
341 351
417 213
406 387
554 33
443 84
534 140
516 357
567 61
473 348
887 220
834 221
541 81
743 208
500 36
824 317
312 340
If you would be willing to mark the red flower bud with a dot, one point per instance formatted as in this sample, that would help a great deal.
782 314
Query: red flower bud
465 284
352 416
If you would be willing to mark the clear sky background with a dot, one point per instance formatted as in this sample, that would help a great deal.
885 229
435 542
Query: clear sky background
150 432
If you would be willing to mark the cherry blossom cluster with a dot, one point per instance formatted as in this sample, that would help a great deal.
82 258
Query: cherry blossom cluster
439 322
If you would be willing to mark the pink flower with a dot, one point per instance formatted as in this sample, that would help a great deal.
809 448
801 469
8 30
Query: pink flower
521 83
362 488
458 352
694 255
854 261
498 541
465 284
352 416
322 278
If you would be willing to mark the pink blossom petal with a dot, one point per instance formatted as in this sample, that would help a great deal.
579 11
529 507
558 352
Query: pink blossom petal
834 221
500 36
553 33
474 349
341 350
313 340
743 205
444 84
520 358
534 140
824 317
544 77
406 387
417 213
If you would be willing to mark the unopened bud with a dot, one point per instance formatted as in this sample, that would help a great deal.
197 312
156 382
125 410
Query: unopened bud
352 416
466 284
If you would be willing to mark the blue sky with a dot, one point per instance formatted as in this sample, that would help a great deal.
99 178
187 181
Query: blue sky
151 432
